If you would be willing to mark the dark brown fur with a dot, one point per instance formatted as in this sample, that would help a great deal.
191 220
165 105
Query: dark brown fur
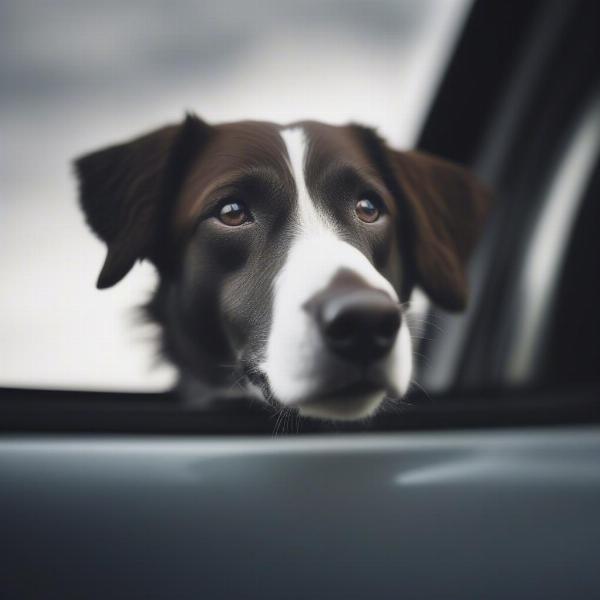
148 199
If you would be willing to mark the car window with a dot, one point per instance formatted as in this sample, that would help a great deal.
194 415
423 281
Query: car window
77 76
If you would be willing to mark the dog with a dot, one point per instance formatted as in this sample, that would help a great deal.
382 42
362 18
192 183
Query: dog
286 255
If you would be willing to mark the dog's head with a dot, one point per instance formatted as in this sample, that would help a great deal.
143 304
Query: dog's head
286 254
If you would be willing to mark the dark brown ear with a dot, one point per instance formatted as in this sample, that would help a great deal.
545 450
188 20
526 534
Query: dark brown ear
122 188
447 206
444 208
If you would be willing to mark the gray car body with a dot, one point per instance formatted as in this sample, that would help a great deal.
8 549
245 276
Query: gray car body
490 514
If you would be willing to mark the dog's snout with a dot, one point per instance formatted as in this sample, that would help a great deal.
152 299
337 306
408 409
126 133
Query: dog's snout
360 325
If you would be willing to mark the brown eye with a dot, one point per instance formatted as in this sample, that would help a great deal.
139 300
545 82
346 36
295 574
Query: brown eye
233 214
367 210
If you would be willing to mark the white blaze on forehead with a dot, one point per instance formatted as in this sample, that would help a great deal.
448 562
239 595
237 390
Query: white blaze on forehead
296 361
316 248
296 146
317 253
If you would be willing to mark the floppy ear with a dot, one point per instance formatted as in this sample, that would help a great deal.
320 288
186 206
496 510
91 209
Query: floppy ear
447 206
122 190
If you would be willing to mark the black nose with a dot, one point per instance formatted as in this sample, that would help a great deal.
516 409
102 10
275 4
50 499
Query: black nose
359 325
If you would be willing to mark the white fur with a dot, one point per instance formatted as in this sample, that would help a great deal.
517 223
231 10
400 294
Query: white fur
297 363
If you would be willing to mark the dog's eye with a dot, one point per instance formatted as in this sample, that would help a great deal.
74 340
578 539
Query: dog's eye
233 214
367 210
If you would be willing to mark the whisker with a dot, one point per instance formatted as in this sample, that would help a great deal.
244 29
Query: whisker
426 359
395 405
279 414
414 382
424 323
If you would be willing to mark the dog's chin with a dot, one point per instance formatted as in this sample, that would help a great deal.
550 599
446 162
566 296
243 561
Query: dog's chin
351 409
329 399
350 403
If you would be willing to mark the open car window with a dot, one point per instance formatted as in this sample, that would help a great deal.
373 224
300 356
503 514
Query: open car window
77 77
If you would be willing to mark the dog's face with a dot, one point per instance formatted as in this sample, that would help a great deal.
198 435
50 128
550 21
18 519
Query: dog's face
286 254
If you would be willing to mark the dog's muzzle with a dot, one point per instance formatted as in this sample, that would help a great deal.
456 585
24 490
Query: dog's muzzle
342 350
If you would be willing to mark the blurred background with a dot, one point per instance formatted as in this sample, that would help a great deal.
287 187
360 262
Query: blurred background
77 75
